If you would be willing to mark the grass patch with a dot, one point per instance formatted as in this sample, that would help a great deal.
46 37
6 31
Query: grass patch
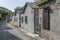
0 22
13 24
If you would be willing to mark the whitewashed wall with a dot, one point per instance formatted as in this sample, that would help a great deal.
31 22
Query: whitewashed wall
13 18
17 20
29 12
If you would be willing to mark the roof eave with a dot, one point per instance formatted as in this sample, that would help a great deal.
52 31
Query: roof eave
46 4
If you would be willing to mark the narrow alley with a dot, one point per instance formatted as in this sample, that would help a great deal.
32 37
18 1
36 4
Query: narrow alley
7 32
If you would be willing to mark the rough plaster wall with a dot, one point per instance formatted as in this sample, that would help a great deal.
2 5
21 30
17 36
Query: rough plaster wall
43 33
57 1
55 24
41 22
30 25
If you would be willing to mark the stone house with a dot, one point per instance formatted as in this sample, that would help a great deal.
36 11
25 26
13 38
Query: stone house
17 18
50 11
55 23
30 17
42 19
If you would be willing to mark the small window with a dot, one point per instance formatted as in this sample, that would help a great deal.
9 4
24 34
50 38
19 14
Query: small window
26 19
15 14
40 19
22 19
31 11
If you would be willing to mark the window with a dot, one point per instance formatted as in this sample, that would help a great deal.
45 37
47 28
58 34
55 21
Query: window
40 19
26 19
31 11
22 19
15 14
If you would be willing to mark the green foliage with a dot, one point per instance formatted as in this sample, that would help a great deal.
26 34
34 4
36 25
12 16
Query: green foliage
4 12
37 0
41 1
18 8
0 20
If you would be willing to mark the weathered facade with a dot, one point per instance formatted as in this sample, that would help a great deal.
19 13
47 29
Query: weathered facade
17 18
28 25
32 14
44 21
55 22
51 24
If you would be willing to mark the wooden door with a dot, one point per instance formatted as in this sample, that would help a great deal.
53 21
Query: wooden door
36 21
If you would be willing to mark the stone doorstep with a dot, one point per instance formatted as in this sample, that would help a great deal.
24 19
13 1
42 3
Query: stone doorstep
32 35
35 36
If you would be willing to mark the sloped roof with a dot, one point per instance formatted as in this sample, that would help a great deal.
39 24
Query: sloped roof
48 3
31 4
20 11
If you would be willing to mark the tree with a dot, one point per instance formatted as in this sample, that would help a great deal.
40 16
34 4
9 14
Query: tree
41 1
18 8
37 0
4 12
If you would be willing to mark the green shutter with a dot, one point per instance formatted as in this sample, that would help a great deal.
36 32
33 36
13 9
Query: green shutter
26 19
42 1
22 19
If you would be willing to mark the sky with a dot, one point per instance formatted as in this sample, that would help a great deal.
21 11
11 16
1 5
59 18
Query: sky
11 4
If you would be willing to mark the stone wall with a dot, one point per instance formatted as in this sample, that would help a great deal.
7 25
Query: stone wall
55 24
